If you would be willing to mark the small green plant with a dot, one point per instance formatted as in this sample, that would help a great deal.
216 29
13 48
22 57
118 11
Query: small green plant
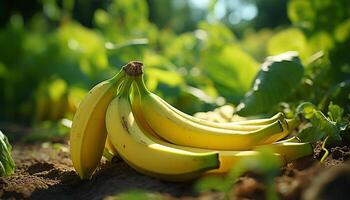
7 165
331 128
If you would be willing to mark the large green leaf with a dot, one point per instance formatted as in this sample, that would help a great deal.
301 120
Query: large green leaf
277 78
7 164
291 39
231 69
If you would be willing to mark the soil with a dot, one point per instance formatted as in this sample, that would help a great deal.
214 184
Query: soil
44 171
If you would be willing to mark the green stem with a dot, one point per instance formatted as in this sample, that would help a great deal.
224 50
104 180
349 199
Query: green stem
126 85
118 77
141 85
325 150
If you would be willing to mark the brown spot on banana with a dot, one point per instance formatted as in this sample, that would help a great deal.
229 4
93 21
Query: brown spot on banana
125 124
143 142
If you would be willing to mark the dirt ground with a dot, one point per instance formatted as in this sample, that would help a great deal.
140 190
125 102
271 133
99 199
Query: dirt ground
44 171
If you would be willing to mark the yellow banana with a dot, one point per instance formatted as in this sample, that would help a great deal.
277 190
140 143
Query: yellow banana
286 151
88 132
179 130
145 155
227 112
289 150
291 139
247 125
263 121
136 109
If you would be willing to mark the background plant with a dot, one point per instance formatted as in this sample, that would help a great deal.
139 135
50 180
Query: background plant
53 55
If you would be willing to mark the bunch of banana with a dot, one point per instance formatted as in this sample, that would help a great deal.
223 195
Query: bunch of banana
156 139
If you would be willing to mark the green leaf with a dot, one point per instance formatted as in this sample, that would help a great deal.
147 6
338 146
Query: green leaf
317 15
335 112
342 31
307 109
310 134
288 40
327 126
231 69
301 12
7 165
278 77
321 125
170 78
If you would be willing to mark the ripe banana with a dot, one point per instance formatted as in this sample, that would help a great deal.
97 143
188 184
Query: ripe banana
145 155
174 128
285 151
247 125
135 100
88 132
289 150
263 121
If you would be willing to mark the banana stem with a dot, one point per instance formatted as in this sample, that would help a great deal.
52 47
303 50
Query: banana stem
118 77
141 85
125 88
134 69
325 150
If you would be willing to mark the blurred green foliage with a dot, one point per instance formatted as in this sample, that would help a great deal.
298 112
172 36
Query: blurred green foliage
50 58
265 164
